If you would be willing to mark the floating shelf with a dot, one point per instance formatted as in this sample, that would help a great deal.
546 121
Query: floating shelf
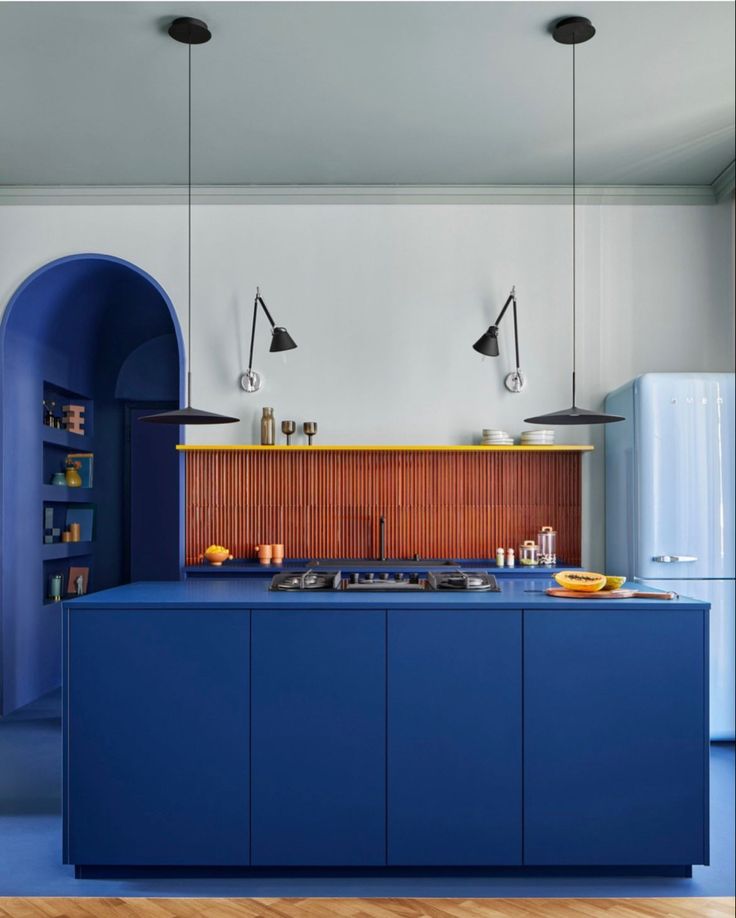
79 443
65 550
60 494
303 447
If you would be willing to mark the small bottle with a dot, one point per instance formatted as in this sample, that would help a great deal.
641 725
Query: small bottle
510 558
499 557
268 428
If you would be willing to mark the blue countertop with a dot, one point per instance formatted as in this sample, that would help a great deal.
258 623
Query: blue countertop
253 593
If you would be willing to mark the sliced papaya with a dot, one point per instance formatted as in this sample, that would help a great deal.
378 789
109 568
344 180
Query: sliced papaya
582 581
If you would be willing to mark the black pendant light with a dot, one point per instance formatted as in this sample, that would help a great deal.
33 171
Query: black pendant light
190 32
573 31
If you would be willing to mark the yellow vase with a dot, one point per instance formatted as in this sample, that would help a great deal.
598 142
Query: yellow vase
73 478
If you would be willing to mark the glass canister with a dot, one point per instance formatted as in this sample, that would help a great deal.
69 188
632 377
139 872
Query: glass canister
529 553
547 541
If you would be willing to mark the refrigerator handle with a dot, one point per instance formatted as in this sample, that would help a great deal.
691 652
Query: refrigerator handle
673 559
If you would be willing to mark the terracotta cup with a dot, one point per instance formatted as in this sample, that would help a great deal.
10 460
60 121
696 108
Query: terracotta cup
264 553
277 553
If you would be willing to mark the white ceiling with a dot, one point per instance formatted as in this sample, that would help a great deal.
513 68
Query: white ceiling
365 93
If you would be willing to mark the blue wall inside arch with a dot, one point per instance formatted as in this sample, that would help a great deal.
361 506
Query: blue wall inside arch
96 326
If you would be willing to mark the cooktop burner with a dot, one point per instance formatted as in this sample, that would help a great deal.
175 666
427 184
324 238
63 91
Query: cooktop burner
383 581
463 580
306 580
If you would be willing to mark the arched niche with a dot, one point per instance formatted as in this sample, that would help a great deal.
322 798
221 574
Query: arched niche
96 330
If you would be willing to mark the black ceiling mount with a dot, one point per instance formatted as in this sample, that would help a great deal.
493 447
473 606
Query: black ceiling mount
191 31
573 30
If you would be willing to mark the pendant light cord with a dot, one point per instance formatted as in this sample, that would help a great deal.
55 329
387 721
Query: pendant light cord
574 246
189 233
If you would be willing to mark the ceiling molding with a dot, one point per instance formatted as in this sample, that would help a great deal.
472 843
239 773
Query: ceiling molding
725 182
360 194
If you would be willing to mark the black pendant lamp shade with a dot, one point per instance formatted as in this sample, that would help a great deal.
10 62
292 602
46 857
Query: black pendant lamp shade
190 32
188 415
573 30
574 415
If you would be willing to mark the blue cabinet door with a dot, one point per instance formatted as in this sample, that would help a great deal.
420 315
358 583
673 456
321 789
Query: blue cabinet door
454 738
318 738
156 737
615 737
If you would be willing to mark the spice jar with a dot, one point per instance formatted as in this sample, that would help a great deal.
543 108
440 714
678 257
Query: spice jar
547 540
529 553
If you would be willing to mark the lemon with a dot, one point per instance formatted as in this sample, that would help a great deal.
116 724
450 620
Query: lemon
615 583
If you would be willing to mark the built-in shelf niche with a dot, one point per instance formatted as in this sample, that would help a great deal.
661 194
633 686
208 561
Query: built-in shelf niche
57 443
62 396
62 565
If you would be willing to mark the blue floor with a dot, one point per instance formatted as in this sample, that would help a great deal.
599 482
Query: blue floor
30 842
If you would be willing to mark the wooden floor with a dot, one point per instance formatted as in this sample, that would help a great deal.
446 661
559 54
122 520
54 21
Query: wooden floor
367 908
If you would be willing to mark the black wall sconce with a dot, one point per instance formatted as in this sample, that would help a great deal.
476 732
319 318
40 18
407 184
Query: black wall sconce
281 340
487 344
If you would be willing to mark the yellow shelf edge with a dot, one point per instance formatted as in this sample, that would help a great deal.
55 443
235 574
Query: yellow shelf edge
303 447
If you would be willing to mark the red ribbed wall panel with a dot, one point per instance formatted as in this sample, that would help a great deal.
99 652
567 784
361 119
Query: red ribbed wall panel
327 504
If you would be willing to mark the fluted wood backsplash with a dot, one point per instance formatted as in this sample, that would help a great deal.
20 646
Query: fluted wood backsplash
324 504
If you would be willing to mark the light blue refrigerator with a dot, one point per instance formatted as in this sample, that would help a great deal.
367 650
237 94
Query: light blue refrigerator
670 504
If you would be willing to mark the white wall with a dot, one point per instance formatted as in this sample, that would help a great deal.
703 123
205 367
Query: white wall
385 302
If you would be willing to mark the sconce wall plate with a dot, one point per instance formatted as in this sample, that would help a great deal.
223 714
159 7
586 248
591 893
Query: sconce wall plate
251 381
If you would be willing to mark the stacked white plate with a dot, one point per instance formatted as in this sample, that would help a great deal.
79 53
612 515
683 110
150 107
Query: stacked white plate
493 437
537 437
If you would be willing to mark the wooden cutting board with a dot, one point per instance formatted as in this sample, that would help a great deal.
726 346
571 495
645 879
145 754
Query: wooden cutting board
607 594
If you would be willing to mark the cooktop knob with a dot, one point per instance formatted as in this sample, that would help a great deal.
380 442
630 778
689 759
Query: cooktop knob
384 576
355 578
369 576
400 576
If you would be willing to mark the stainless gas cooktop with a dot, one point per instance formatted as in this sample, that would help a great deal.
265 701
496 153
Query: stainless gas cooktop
384 581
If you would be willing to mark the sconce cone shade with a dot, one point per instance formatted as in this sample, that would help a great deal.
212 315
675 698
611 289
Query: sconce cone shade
281 340
487 344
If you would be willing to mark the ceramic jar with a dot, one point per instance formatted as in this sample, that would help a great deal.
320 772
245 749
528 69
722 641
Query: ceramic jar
265 553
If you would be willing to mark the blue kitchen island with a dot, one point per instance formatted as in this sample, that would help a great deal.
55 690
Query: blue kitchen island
212 724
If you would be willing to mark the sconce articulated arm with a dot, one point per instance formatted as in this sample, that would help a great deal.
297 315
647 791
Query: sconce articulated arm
487 344
281 340
256 302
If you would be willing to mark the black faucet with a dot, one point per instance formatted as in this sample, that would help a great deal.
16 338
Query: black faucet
382 538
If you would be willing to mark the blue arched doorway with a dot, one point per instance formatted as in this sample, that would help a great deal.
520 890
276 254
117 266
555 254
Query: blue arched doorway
98 331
